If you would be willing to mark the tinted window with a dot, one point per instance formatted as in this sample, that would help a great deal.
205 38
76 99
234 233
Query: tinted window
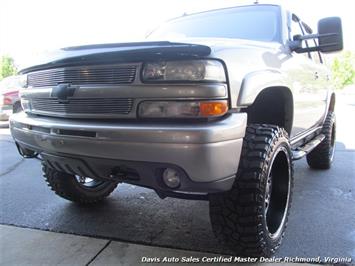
259 22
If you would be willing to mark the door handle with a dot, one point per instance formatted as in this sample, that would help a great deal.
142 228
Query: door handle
316 75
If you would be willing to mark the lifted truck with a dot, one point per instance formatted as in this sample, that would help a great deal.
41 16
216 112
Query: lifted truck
219 114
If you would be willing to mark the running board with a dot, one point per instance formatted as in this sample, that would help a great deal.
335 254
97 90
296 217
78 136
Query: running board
300 152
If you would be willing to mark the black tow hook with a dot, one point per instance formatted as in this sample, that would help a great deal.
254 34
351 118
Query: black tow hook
26 153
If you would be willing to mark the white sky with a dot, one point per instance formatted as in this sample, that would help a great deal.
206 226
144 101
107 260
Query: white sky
29 27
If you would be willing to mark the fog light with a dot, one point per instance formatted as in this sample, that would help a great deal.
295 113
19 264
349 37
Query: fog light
171 178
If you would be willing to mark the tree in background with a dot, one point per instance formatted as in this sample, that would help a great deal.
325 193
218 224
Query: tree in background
7 67
343 69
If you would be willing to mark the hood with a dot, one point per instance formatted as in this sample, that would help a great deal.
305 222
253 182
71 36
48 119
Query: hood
140 51
116 52
217 44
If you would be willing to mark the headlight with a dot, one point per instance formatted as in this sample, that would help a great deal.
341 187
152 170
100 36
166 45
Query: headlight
192 70
25 104
180 109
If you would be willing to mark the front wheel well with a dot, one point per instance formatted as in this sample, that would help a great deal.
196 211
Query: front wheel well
273 105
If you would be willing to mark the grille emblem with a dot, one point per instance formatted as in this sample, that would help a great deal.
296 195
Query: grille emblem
62 92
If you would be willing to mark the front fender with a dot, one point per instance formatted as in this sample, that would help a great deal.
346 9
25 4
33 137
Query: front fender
255 82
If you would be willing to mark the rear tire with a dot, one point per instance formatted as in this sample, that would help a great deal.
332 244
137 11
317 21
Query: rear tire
322 156
251 218
72 188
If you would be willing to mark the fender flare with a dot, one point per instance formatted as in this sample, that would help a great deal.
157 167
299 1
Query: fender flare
331 100
330 106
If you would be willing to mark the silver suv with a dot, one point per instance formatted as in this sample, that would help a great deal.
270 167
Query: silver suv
217 114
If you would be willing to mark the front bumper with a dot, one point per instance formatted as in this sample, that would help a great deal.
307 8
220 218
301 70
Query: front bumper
207 154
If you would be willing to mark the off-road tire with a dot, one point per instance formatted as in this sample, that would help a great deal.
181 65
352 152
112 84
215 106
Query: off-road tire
238 217
321 157
66 186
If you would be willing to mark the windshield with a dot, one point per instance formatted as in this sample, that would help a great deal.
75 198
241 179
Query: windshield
258 22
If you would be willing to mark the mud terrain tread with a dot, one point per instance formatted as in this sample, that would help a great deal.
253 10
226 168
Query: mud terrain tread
319 158
237 216
63 185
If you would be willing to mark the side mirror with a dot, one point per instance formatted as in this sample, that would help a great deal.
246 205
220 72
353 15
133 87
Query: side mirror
330 35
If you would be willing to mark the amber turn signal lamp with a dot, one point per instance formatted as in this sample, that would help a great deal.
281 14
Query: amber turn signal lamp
213 108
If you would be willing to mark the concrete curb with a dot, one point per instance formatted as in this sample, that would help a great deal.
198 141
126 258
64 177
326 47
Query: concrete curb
24 246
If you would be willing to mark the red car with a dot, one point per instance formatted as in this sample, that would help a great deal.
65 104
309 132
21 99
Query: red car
9 97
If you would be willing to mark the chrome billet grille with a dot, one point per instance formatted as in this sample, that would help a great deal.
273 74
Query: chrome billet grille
88 75
82 105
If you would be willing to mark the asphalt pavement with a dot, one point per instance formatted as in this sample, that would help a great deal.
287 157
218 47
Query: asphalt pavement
322 220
